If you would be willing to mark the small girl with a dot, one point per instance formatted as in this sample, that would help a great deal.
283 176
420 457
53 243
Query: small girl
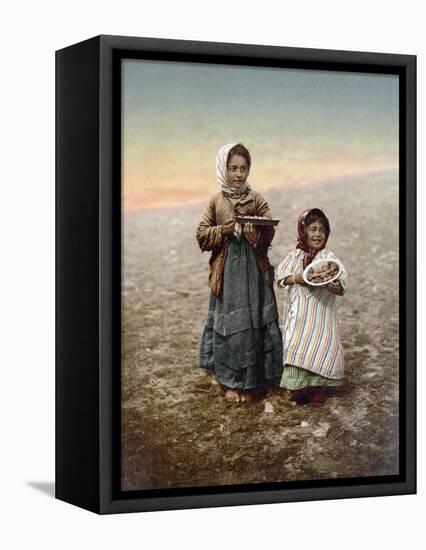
313 354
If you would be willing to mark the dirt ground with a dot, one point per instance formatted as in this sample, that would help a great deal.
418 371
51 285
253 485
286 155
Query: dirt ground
177 429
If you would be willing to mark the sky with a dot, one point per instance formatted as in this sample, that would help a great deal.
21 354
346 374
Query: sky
300 126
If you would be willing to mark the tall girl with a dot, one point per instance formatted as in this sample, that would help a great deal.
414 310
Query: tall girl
241 343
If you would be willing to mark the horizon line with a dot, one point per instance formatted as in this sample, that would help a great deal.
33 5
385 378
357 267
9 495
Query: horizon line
155 205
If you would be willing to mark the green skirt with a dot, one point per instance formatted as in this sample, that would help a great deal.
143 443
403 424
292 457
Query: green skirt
241 342
296 378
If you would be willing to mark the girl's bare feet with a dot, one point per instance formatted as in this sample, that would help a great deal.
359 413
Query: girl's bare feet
232 395
300 396
238 396
245 397
318 396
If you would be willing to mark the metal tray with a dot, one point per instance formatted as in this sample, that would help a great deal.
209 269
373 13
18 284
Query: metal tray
256 221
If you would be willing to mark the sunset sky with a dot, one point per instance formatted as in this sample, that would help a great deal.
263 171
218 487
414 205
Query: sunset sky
300 127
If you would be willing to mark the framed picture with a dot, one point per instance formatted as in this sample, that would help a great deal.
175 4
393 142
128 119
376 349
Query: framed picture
235 274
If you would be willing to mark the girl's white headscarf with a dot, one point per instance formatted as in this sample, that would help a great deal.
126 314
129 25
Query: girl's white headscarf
221 173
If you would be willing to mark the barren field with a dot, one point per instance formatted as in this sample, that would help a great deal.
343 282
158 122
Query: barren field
177 429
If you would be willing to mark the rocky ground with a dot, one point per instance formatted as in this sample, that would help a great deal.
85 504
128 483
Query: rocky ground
177 429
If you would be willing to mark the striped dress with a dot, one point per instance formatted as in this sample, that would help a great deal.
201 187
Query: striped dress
311 338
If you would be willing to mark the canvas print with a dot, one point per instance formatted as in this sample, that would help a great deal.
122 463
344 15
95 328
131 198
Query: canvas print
260 275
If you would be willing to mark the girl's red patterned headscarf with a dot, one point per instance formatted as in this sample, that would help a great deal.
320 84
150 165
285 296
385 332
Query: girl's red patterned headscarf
306 218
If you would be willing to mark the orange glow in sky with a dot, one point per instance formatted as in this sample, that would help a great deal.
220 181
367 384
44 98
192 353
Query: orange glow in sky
301 126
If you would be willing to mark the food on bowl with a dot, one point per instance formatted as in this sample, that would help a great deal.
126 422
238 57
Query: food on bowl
322 273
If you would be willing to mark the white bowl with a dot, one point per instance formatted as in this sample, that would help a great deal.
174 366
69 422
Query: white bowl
316 263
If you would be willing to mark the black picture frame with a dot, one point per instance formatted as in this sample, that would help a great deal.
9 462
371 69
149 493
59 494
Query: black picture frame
88 252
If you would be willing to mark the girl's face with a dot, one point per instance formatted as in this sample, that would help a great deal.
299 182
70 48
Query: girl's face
315 235
237 171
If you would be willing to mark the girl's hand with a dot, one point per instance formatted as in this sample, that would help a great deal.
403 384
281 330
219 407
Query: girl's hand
228 227
335 288
251 232
295 279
